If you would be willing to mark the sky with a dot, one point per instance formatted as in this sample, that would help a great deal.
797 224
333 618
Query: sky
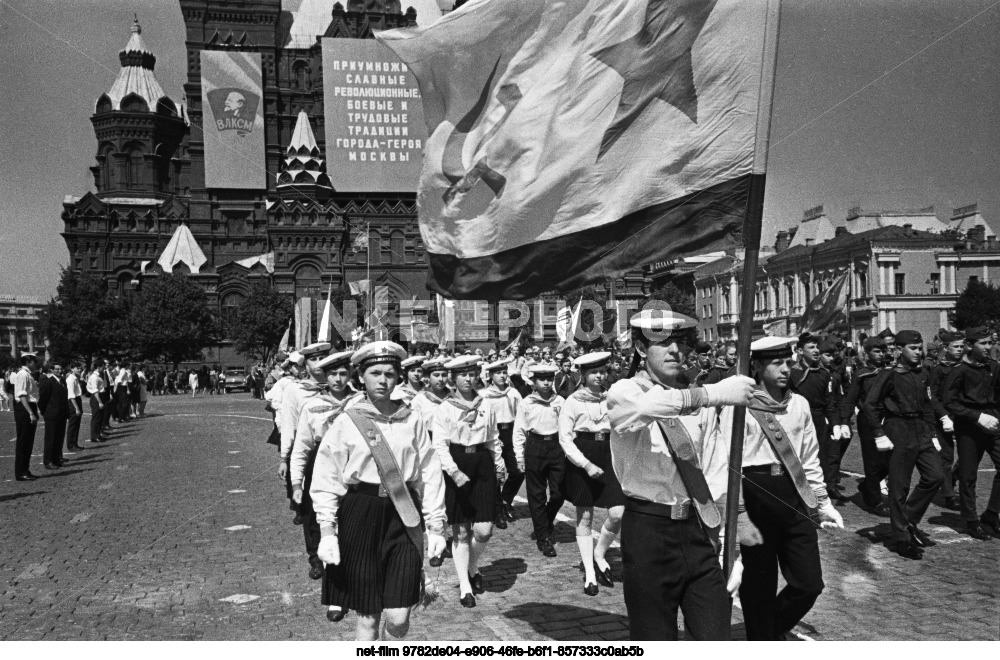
883 104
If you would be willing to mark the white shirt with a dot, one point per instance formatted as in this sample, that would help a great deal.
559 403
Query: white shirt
344 459
73 387
583 411
426 404
504 404
291 406
447 428
95 384
276 394
25 385
537 415
122 378
318 413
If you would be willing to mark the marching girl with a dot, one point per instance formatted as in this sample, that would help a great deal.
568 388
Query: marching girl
590 481
374 465
468 444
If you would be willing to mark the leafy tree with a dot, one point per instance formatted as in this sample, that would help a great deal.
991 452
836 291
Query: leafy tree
83 320
978 305
260 322
680 301
170 319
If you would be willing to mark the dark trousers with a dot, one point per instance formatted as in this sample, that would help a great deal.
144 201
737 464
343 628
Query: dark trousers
912 447
310 526
947 453
96 417
109 409
973 442
544 465
514 476
73 426
669 565
55 431
123 404
25 437
876 466
826 448
791 544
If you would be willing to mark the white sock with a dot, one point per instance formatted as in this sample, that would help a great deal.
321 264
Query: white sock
460 555
603 543
586 545
476 551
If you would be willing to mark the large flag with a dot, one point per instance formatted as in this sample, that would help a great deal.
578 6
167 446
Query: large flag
827 311
423 332
574 141
567 323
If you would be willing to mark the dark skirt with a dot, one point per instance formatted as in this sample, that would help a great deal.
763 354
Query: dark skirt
580 489
380 567
476 501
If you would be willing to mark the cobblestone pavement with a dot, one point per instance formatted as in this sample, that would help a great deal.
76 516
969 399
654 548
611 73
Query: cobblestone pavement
178 529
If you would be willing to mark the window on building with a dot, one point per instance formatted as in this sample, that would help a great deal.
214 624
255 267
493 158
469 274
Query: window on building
899 283
135 159
374 248
862 291
230 308
308 282
935 283
397 248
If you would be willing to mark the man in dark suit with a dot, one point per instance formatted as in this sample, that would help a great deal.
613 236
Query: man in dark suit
53 404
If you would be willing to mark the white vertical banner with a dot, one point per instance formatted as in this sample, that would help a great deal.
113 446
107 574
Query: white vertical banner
232 102
303 322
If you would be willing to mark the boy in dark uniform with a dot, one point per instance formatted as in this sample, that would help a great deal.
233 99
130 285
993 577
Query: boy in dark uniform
950 355
876 464
840 429
970 396
810 380
902 417
697 374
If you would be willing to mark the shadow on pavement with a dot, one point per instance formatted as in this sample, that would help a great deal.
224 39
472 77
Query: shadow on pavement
17 496
502 574
949 519
877 534
566 622
87 460
59 473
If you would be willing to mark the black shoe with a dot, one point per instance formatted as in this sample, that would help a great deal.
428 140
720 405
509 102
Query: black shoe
51 466
468 600
908 550
590 589
603 577
297 520
951 503
447 550
477 583
917 537
991 523
335 615
508 512
316 571
836 494
501 522
978 531
881 509
435 561
26 477
546 548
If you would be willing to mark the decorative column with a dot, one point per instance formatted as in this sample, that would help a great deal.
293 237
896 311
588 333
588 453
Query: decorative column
31 340
881 278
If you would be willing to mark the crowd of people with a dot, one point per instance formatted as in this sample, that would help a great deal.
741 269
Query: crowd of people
383 453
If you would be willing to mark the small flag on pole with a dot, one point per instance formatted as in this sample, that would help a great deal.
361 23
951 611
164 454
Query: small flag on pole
283 344
360 288
827 311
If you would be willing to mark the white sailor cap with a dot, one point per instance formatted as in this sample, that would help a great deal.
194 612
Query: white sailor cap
378 352
499 364
463 362
772 348
296 358
542 369
414 361
312 350
593 360
661 320
434 364
334 360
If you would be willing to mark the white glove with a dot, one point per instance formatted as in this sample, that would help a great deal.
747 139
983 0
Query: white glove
988 422
460 479
329 550
845 432
746 532
297 496
830 518
735 577
883 443
435 545
937 445
947 424
732 391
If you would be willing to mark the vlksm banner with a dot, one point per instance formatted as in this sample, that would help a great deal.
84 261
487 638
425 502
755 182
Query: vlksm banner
233 119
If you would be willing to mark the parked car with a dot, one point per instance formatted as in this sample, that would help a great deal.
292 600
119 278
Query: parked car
235 379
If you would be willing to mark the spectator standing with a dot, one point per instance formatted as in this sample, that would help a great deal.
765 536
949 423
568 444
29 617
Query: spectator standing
53 404
121 391
6 392
133 390
74 396
213 381
193 382
143 391
25 417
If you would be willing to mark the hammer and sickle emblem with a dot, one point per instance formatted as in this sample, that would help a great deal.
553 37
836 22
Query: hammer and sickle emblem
451 162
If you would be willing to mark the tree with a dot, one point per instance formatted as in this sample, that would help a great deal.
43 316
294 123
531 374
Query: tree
978 305
83 320
169 319
679 300
261 321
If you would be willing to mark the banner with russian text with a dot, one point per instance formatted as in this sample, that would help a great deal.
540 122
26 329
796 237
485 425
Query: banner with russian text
233 119
374 120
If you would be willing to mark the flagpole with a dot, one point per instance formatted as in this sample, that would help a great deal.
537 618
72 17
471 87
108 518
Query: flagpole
751 243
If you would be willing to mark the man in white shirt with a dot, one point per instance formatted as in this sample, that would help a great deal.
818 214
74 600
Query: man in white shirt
75 395
25 416
95 387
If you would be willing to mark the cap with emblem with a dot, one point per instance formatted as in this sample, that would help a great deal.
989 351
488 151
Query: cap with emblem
977 333
772 348
499 364
594 360
463 362
537 370
312 351
415 361
434 364
904 337
335 360
874 342
661 320
378 352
